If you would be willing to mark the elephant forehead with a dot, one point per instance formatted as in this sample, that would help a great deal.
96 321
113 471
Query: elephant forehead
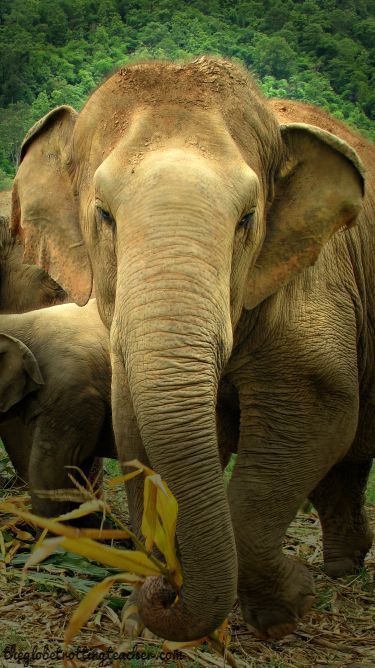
146 104
204 130
188 170
133 135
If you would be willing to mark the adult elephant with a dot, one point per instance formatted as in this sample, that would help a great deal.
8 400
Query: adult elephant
202 216
23 287
55 389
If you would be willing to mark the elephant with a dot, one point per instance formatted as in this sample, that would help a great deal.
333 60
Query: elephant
55 406
238 293
5 203
23 287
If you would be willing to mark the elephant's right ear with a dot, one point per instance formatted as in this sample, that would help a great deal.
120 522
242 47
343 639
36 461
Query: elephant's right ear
45 213
19 372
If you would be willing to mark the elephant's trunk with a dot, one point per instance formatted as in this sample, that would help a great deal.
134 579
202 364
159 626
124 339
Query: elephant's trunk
170 336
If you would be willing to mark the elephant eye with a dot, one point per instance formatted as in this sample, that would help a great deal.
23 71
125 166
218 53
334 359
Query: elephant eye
105 216
245 221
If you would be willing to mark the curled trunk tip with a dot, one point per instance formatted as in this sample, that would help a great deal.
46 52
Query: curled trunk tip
167 617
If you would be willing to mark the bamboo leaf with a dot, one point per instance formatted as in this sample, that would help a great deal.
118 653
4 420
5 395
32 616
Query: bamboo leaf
128 560
45 550
90 602
84 509
149 517
128 611
22 535
120 479
43 522
139 465
171 646
165 534
105 534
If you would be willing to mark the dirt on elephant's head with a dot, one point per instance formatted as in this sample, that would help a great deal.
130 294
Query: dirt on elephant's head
173 93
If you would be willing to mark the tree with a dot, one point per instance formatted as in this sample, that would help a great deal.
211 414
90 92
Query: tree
273 56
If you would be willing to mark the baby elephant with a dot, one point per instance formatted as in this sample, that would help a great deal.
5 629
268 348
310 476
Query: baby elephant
55 389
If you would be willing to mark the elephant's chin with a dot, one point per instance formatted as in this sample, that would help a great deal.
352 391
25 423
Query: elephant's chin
162 614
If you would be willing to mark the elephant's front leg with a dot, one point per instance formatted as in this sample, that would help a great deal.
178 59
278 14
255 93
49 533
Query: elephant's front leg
289 439
61 440
17 441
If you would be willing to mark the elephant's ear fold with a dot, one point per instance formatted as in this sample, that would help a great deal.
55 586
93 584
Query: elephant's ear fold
45 212
19 372
318 191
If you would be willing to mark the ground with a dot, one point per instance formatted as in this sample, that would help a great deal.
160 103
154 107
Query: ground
340 630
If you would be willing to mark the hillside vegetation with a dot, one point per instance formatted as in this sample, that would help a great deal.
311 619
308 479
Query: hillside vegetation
56 51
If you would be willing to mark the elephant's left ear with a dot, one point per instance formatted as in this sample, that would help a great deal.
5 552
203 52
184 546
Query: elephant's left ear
318 191
20 372
45 212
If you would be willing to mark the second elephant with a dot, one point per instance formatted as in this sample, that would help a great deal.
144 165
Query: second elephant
55 383
23 287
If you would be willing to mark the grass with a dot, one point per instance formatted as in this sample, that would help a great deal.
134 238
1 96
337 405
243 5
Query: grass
370 491
339 631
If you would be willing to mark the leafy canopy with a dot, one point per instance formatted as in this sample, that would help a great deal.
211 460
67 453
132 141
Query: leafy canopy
57 51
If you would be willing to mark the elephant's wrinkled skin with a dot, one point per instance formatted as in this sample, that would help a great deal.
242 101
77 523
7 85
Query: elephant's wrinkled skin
55 410
202 217
23 287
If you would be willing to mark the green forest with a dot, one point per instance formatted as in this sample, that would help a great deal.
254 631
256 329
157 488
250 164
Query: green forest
57 51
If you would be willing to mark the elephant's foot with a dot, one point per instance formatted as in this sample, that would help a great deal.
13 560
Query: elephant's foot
273 611
339 500
346 554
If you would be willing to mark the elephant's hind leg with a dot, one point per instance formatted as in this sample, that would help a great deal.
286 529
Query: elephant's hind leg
339 500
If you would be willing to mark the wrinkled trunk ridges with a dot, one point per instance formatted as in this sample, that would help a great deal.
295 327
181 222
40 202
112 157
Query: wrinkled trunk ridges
172 372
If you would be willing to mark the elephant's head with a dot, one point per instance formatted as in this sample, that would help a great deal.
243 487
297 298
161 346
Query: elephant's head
193 205
19 372
23 287
43 198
